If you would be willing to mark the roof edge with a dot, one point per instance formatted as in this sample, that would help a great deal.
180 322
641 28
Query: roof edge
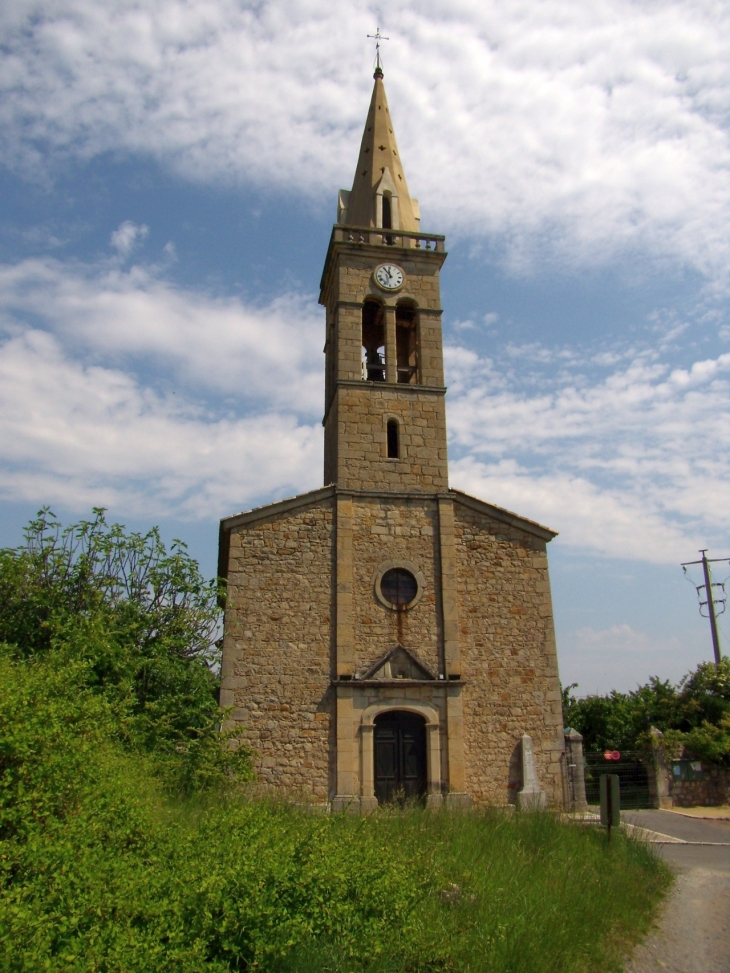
279 506
505 516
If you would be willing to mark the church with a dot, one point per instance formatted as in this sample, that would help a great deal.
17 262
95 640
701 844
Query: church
386 636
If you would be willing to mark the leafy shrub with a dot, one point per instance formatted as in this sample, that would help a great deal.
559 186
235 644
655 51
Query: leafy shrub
695 714
143 620
100 870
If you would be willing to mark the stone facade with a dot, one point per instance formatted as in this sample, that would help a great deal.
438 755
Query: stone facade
304 625
317 654
509 655
277 650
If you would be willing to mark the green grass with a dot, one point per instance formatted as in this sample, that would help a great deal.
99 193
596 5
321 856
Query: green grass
506 893
101 871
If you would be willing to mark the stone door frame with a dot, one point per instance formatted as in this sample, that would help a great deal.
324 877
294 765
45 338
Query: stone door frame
430 715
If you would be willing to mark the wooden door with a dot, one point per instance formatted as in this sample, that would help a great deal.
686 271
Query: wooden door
400 757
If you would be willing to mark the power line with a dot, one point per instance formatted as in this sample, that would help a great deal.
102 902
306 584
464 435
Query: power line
710 602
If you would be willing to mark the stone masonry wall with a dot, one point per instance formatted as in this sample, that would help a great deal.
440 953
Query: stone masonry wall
362 414
355 434
508 654
354 283
277 651
712 791
392 530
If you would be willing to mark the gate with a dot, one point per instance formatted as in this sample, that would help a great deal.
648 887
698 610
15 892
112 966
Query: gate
633 768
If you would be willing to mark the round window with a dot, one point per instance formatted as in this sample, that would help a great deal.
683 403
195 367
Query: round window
398 586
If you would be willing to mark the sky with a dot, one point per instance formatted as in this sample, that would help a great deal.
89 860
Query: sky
169 175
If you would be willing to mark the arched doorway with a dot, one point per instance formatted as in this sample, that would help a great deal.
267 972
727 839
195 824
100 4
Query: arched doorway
400 757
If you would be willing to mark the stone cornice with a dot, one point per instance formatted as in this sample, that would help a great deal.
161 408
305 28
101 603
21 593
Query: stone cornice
504 516
281 507
357 306
359 383
399 683
377 250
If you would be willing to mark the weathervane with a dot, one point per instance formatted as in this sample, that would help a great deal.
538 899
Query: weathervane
378 37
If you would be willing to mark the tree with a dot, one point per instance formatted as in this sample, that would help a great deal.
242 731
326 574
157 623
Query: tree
142 617
694 715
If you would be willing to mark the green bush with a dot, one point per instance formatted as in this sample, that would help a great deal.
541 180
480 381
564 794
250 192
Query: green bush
101 871
695 714
143 620
124 848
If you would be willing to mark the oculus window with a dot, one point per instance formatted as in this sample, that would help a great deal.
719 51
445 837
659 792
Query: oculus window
398 587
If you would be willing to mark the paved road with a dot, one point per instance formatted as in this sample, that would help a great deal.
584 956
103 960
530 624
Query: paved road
693 933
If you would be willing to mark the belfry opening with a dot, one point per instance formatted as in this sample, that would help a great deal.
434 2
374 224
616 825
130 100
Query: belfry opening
373 342
406 342
387 212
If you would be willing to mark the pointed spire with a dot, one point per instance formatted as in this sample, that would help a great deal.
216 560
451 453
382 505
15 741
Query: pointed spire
379 174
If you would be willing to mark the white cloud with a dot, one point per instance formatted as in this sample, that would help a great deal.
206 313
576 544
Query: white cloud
84 435
267 356
622 658
576 131
119 389
634 464
616 521
126 237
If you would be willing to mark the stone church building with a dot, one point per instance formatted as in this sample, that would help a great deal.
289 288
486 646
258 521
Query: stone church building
387 635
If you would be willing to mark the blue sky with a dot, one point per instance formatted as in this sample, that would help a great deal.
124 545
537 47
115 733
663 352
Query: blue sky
169 175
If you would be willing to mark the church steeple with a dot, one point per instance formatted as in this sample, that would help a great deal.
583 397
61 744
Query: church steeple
385 422
379 195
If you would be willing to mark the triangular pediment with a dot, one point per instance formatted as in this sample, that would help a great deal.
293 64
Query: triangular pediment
398 663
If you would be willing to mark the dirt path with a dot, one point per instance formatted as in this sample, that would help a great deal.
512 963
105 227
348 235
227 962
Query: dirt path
693 930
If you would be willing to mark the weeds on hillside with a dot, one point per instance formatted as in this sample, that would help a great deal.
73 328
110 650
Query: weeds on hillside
124 847
102 870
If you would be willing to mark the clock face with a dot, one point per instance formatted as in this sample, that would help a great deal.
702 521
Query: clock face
389 276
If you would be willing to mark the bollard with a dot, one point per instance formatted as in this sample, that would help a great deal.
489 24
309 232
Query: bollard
610 802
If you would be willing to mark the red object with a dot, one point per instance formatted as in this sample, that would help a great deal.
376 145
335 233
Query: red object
616 755
607 755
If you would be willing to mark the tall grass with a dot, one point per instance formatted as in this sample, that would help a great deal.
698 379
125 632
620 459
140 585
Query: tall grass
503 893
102 871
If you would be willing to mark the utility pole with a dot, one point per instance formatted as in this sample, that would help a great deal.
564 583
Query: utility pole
709 596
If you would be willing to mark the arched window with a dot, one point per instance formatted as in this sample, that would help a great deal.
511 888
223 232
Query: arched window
387 212
373 342
406 343
393 439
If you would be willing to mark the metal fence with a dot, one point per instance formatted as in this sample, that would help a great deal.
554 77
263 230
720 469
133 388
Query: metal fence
633 769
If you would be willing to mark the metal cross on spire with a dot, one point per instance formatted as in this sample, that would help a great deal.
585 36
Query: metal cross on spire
378 37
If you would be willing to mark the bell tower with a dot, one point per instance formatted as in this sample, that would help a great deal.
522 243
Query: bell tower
385 422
